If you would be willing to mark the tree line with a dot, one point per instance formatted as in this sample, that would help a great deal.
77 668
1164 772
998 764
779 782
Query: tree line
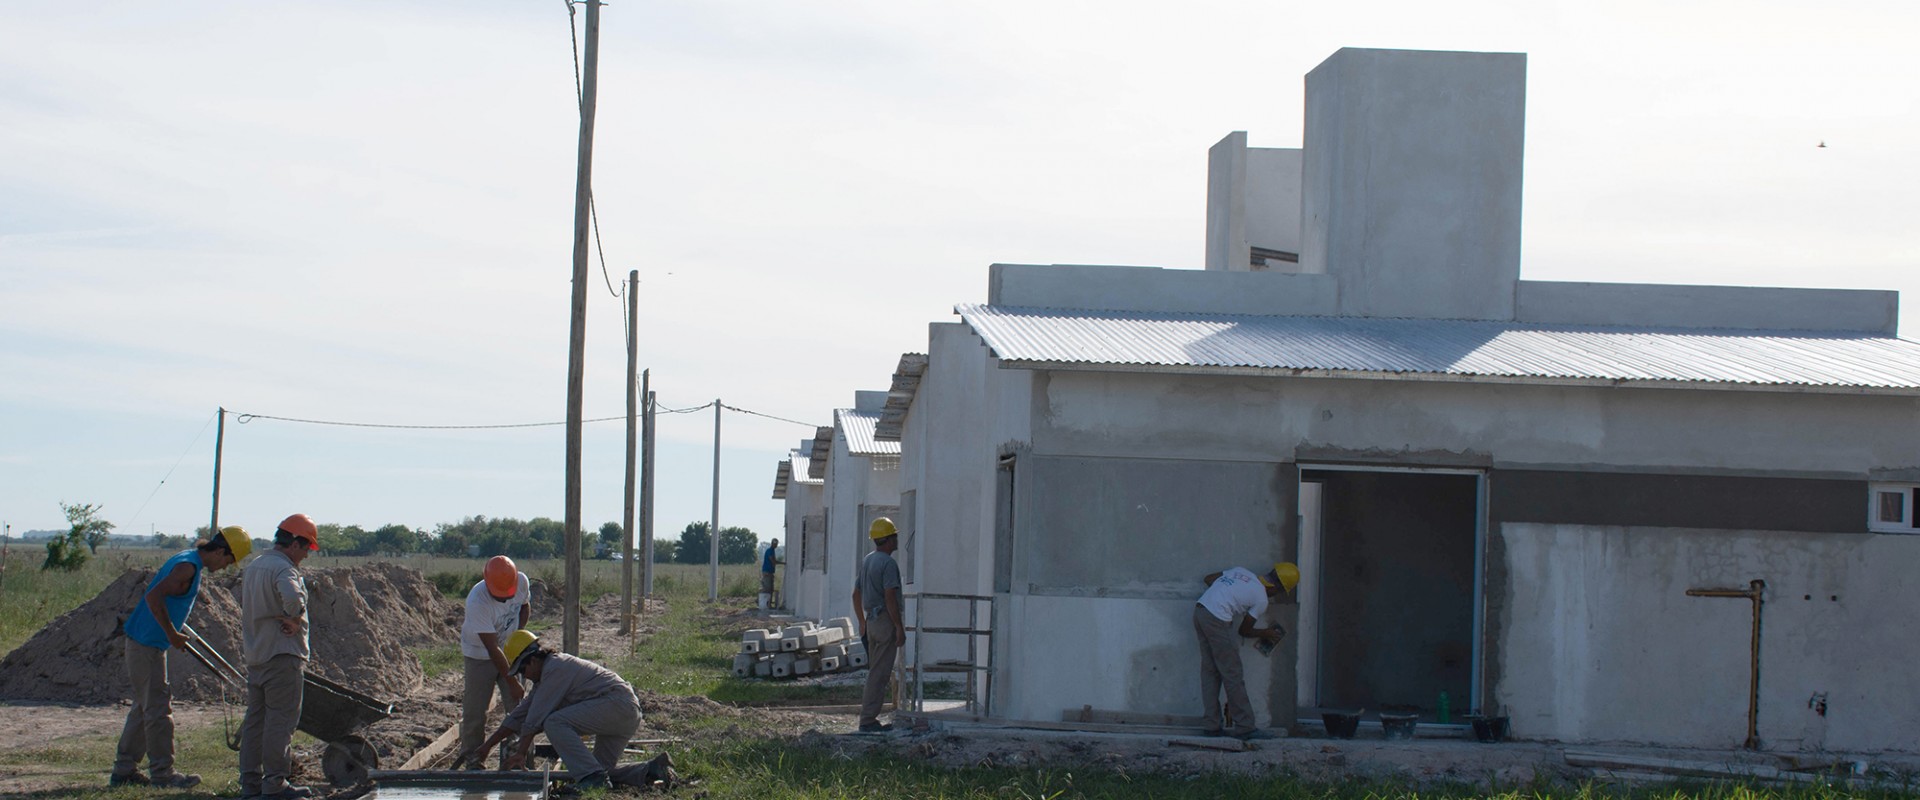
475 536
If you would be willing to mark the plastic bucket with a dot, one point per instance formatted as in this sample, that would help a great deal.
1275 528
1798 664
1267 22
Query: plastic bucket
1399 726
1490 729
1341 724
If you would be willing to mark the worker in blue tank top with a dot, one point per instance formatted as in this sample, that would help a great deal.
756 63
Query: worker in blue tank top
152 629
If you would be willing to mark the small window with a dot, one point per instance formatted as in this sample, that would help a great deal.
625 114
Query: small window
1890 507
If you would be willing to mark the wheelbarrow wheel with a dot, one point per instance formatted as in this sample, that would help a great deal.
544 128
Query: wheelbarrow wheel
347 761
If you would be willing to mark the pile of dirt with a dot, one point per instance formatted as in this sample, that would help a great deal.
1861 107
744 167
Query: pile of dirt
363 621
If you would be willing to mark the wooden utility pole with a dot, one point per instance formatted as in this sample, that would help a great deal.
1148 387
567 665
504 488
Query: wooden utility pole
219 442
646 489
577 341
626 516
713 522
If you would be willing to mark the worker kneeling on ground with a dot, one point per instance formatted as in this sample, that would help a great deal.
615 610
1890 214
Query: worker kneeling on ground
1236 592
571 698
876 603
496 607
152 629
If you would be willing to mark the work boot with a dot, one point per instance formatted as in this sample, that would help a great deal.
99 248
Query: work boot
134 778
593 780
292 792
175 780
876 727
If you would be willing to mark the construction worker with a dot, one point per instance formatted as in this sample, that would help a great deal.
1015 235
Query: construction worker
768 561
876 603
1235 592
152 629
571 698
273 634
496 607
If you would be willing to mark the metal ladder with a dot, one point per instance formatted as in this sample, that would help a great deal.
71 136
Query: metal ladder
978 666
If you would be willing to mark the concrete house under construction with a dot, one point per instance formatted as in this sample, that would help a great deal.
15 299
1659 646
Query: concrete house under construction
845 480
1499 490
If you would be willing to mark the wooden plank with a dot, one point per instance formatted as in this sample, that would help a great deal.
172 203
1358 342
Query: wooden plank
1091 714
1690 769
425 755
1225 743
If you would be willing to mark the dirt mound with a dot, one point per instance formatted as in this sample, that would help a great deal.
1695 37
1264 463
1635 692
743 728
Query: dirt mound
364 620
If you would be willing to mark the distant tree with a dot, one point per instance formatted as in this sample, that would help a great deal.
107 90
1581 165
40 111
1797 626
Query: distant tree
663 550
394 540
611 534
87 526
737 546
693 546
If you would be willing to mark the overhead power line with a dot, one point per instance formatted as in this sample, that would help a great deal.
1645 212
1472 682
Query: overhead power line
658 407
580 99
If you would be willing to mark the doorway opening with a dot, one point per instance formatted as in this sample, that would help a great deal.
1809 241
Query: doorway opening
1390 603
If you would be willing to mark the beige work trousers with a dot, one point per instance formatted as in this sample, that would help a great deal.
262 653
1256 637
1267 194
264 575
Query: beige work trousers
482 683
610 718
1220 667
274 692
881 650
149 730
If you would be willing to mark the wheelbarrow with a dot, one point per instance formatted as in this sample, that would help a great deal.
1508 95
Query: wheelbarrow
328 712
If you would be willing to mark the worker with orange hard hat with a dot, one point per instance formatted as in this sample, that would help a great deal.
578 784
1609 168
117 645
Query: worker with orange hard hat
496 607
1234 593
273 637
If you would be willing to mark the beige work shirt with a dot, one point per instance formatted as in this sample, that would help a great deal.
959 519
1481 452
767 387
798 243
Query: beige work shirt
271 588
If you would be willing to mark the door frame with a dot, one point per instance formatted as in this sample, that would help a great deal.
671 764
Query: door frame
1313 649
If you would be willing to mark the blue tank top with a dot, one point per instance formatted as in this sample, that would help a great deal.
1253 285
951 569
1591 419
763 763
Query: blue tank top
141 626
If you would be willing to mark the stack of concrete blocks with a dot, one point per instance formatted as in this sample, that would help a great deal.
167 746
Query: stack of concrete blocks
803 649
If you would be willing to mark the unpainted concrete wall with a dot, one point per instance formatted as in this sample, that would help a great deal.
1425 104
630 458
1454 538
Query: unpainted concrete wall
852 481
1412 181
1253 199
1769 308
1108 560
803 587
1604 645
1156 289
1436 424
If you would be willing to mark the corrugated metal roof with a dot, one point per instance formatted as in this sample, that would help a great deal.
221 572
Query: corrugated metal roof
800 462
858 427
1464 350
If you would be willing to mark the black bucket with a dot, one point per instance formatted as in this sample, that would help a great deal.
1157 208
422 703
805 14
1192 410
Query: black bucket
1399 726
1341 724
1490 729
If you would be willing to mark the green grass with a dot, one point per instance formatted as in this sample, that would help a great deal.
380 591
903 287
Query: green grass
439 659
84 761
31 597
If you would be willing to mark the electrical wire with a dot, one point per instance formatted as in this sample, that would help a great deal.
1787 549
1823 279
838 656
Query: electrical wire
768 416
246 418
176 465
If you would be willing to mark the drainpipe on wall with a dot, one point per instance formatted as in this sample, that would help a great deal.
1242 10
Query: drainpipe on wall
1752 592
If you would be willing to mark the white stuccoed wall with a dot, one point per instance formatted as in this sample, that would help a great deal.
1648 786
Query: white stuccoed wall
803 588
1253 199
1604 644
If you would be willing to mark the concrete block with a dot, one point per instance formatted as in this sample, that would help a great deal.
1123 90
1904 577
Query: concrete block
763 669
829 663
750 647
756 635
821 637
857 646
782 665
743 664
845 624
857 659
803 666
789 645
837 649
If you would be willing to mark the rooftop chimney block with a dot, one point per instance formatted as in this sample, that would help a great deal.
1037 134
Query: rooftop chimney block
1411 187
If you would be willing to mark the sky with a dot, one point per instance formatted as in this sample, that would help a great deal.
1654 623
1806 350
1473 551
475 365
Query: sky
362 212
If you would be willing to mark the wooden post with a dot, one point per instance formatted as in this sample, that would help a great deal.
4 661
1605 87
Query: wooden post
577 340
646 489
626 515
713 522
219 443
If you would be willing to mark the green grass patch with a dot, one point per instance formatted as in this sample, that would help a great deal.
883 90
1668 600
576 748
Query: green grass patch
440 659
80 764
31 597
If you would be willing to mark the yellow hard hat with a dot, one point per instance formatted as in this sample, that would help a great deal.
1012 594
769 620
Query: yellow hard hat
1287 573
881 529
520 645
238 540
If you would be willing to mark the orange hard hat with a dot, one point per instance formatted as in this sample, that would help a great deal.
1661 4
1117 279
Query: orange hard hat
503 578
302 525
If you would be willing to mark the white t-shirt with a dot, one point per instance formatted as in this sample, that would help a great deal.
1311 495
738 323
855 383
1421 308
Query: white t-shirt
1237 591
487 615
